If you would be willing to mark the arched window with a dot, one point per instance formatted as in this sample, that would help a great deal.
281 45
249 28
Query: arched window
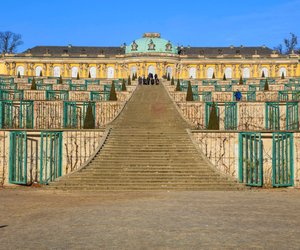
151 70
132 71
209 72
246 73
228 72
38 70
169 71
20 69
110 72
93 72
74 71
56 71
192 73
266 71
282 70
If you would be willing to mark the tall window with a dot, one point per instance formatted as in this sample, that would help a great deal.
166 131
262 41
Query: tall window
74 71
110 72
151 70
228 72
38 70
93 72
246 73
192 73
20 69
266 71
169 71
56 71
132 71
282 70
209 72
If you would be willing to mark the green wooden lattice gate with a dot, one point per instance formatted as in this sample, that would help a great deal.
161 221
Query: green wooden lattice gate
250 159
50 156
18 157
282 160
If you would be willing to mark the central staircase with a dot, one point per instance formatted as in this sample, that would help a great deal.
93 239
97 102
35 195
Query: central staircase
148 148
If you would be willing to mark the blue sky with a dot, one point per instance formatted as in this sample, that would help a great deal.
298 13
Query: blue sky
112 22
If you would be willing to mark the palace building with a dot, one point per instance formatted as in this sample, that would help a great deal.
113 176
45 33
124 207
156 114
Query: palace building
151 54
83 124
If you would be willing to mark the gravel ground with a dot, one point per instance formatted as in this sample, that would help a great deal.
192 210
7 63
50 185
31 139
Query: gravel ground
38 219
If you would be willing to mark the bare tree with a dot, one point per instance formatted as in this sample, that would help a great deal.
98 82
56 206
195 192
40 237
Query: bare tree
289 45
9 42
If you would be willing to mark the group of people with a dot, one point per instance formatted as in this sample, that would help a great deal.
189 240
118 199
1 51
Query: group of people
149 80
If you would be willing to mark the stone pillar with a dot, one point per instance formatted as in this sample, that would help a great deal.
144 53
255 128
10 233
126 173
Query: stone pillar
50 73
44 72
104 73
158 69
198 68
13 68
98 70
204 70
26 69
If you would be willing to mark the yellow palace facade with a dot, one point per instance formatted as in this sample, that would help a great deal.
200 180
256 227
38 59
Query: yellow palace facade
150 54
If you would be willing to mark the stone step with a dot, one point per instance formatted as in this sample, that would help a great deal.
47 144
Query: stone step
186 187
148 149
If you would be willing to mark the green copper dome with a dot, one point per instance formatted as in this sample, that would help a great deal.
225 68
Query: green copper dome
151 43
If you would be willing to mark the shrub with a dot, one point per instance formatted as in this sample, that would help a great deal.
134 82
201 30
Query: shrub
224 77
241 82
263 74
189 93
123 85
112 93
33 84
19 75
282 75
129 81
41 73
89 120
89 74
168 77
266 87
172 81
60 80
177 85
77 76
213 76
213 122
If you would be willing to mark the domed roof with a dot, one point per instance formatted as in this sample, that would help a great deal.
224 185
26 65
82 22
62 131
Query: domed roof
151 43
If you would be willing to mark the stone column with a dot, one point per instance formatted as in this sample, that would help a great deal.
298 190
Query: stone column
26 69
204 70
13 68
44 72
98 70
50 73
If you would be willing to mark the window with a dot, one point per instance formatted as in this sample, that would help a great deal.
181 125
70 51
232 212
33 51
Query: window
228 72
151 70
20 70
74 71
210 72
38 70
192 73
169 71
282 70
266 71
246 73
56 71
110 72
132 71
93 72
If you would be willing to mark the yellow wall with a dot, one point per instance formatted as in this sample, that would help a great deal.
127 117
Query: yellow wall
142 68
